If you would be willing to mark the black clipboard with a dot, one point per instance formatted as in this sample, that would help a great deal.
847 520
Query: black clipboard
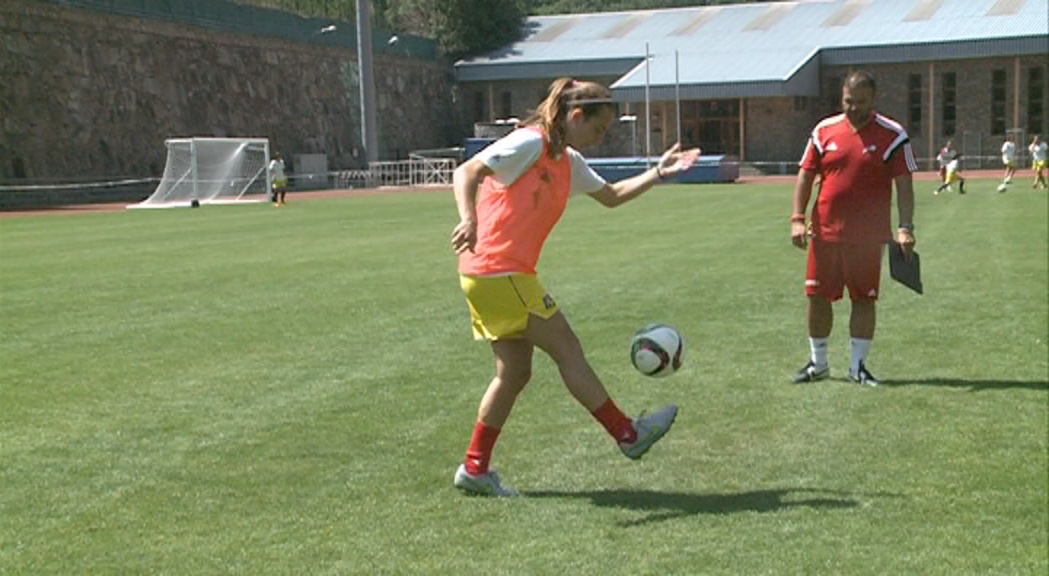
905 271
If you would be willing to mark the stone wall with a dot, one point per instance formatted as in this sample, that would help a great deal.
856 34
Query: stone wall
91 95
777 130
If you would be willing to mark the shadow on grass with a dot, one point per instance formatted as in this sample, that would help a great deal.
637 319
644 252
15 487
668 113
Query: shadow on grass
973 385
670 505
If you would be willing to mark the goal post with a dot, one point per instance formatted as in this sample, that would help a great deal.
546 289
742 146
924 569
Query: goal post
212 171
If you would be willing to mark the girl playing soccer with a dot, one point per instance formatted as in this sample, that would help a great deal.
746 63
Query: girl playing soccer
509 196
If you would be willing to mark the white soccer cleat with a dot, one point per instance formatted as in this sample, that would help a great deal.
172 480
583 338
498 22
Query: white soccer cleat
811 373
649 430
483 484
863 376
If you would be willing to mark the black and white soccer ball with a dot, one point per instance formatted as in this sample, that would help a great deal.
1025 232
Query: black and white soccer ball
656 350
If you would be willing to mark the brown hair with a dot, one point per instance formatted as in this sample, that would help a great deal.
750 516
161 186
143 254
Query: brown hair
564 95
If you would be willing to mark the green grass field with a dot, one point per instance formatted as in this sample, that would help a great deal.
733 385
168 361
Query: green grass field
244 390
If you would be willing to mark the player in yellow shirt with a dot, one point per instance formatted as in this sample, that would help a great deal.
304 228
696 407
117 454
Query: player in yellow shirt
1038 150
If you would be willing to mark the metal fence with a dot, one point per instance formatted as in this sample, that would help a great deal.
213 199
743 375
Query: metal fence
413 173
419 171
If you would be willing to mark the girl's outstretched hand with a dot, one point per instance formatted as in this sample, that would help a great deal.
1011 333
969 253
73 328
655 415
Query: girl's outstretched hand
674 160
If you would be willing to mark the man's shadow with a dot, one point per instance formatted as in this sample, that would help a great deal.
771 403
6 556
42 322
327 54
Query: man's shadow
669 505
973 385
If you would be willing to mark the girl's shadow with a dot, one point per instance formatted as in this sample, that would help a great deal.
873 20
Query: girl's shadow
669 505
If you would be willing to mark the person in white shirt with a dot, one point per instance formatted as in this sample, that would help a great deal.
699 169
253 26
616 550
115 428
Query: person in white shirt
279 179
1009 158
1038 149
949 163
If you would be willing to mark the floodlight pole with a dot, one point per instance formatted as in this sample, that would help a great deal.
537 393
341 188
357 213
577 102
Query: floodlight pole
677 94
633 137
632 119
648 112
367 80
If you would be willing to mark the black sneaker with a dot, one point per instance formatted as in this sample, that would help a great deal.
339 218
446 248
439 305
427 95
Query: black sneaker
863 377
810 373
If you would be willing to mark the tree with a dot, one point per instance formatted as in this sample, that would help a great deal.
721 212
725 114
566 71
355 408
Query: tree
460 27
472 26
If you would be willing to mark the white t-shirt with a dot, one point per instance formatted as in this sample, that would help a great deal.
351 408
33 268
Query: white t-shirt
946 155
513 154
1008 152
277 169
1038 151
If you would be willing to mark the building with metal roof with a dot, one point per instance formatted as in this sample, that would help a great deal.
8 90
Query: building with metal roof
946 68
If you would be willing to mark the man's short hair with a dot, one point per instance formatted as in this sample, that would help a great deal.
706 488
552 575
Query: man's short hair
860 79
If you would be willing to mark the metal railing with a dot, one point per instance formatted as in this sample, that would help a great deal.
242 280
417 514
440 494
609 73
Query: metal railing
413 173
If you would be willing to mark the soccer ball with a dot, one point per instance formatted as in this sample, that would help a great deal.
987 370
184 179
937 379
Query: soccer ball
1002 187
656 349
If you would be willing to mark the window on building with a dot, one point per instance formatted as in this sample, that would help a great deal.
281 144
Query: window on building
950 103
1036 101
479 107
712 125
833 92
914 103
998 102
506 105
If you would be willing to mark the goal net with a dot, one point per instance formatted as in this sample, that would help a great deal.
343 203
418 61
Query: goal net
212 171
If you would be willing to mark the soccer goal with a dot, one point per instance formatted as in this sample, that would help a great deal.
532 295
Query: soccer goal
212 171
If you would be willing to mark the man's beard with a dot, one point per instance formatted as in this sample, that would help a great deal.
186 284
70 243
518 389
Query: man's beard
859 120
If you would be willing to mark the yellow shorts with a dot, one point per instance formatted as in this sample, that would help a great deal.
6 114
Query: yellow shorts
500 305
952 176
1038 165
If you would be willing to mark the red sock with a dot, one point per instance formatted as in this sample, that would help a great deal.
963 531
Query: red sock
480 451
617 423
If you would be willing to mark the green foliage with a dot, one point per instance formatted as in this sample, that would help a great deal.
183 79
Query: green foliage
461 27
472 26
250 390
